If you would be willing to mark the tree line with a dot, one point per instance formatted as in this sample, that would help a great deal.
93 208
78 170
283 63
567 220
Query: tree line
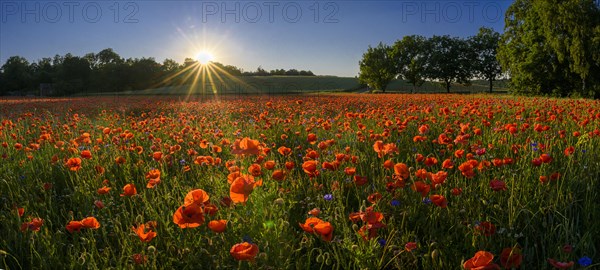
444 59
549 47
107 71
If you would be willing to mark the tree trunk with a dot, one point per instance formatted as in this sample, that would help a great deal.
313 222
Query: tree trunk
491 84
448 86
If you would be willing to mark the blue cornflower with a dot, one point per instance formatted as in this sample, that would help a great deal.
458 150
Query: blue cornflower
328 197
584 261
382 242
247 238
426 201
395 203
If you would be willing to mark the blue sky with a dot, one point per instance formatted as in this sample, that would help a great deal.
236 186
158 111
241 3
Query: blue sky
327 37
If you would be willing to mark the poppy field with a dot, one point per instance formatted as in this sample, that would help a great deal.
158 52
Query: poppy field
340 181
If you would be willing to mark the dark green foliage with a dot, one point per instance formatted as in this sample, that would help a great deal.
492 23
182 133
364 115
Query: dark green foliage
552 47
377 67
485 45
106 71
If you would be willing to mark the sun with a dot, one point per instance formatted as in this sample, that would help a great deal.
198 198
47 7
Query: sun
204 57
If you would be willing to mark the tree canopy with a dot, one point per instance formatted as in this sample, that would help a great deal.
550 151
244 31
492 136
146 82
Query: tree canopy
377 67
552 47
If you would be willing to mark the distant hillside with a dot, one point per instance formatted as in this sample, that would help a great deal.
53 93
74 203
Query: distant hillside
255 85
299 84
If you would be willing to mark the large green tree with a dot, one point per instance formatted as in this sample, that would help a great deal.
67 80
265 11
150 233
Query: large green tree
485 45
410 56
449 60
16 75
552 47
377 67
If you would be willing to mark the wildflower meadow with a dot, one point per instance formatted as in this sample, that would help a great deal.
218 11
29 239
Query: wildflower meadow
322 181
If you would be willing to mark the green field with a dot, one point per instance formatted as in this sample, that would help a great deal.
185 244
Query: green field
299 84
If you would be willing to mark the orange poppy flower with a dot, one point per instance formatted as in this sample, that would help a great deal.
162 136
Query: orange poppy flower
439 200
189 216
244 251
142 234
196 197
129 190
310 168
332 166
421 187
34 225
153 177
103 190
314 212
74 226
284 151
439 178
86 154
401 170
246 146
157 156
481 261
279 175
350 171
312 138
255 170
242 187
74 164
318 226
269 164
374 197
217 226
90 223
120 160
466 169
289 165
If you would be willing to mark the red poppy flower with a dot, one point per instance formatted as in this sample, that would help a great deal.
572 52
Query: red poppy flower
318 226
486 228
217 226
244 251
142 234
511 258
74 164
246 146
481 261
189 216
497 185
310 168
129 190
439 200
401 170
240 189
560 265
